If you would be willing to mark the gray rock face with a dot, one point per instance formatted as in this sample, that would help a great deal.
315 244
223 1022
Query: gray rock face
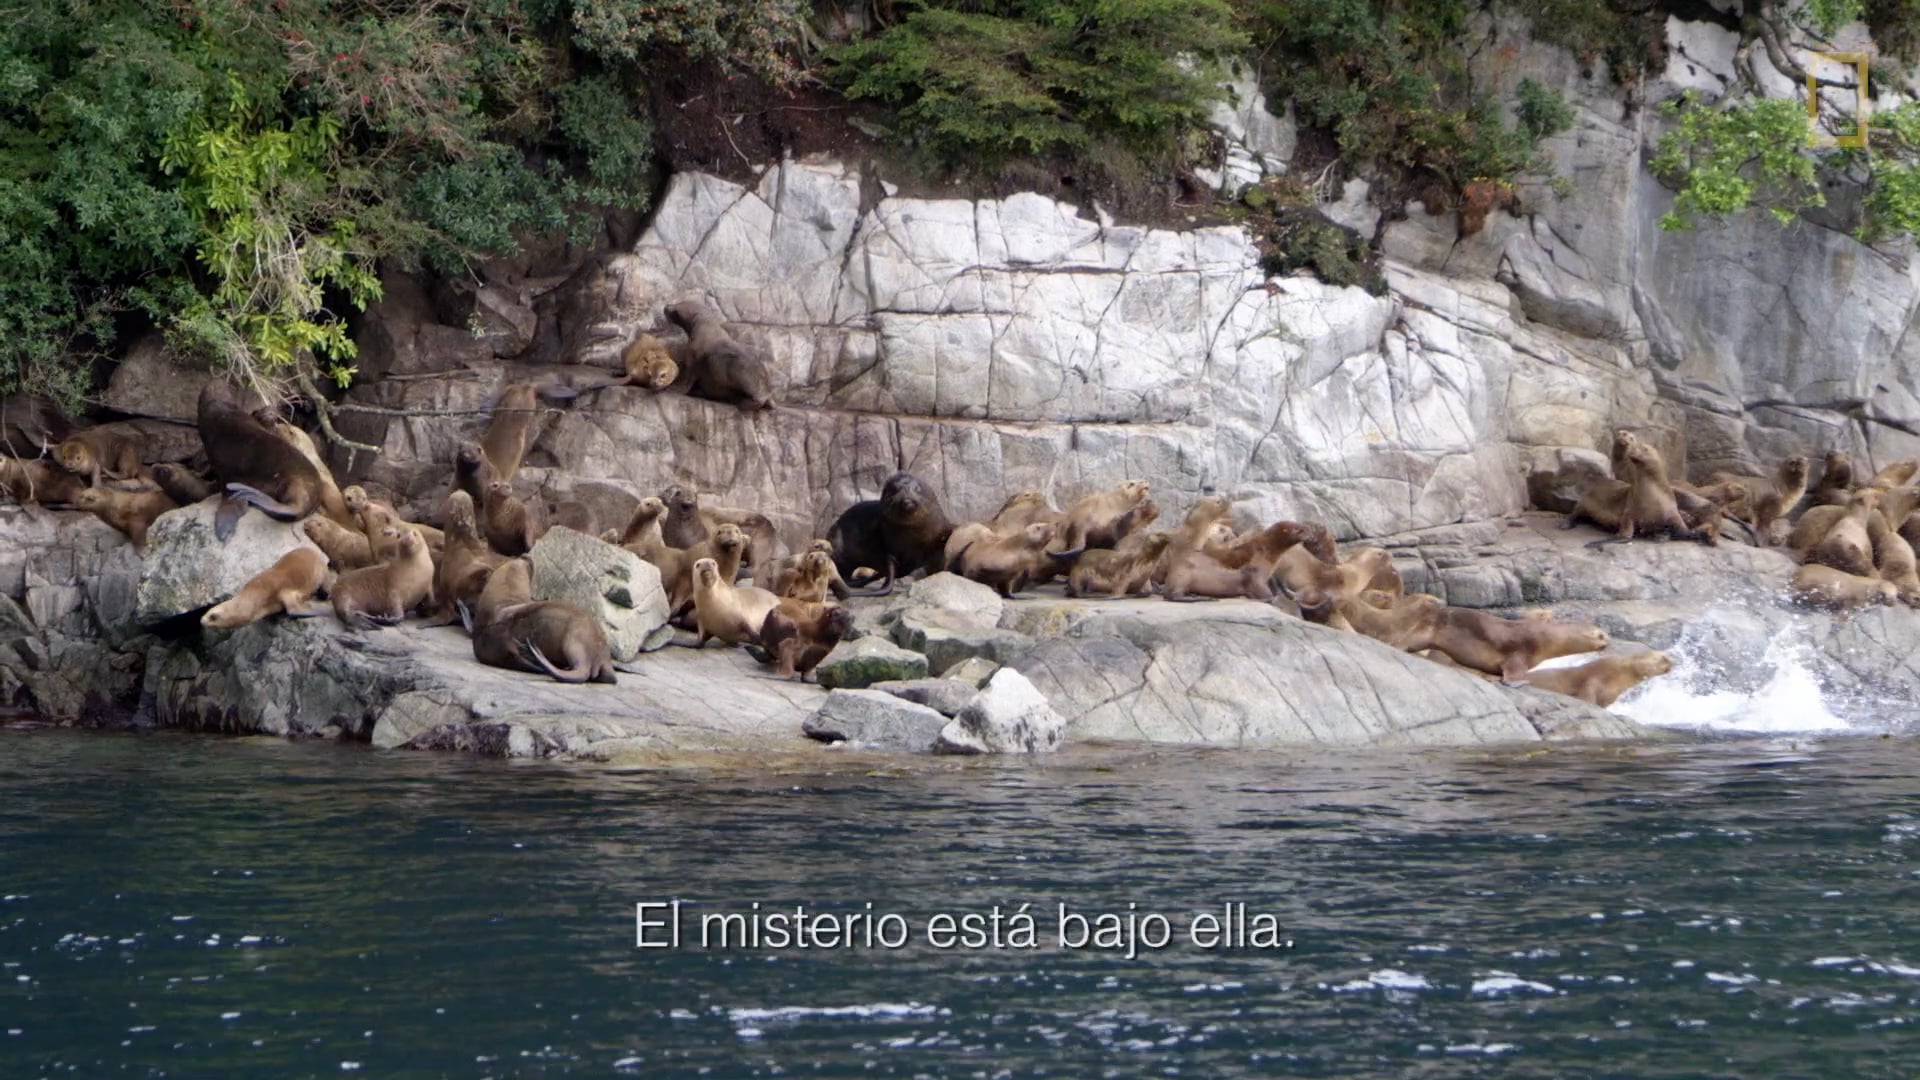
185 567
974 672
1007 716
877 720
854 665
611 583
946 696
70 647
148 383
947 639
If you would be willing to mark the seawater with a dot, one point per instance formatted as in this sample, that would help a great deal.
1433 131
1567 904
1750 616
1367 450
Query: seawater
173 905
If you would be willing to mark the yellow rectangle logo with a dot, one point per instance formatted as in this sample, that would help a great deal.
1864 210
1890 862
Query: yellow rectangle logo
1819 139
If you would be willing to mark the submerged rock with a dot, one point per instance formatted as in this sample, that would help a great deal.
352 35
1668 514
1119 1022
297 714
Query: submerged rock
613 584
1009 716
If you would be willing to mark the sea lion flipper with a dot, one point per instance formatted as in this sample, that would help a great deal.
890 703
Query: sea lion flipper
272 507
227 518
532 654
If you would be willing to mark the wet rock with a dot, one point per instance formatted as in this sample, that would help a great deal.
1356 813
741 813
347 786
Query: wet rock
185 568
613 584
1008 716
857 664
877 720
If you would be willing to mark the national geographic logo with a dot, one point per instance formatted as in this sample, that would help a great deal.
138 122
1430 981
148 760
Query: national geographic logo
1819 139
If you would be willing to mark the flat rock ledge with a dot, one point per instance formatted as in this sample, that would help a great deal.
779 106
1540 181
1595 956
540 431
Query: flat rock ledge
1225 673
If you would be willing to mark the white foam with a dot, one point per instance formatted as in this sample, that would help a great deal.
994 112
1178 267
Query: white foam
1385 979
801 1012
1696 694
1506 982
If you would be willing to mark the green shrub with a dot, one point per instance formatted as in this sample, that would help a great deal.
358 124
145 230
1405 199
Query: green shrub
1721 160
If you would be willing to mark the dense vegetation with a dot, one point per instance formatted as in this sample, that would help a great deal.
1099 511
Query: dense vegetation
238 172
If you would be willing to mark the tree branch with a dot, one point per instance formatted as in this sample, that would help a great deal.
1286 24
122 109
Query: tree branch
323 413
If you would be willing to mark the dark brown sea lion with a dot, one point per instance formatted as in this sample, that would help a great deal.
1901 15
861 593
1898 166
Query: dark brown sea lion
798 635
546 638
512 527
465 565
722 369
902 531
182 485
258 467
471 473
285 587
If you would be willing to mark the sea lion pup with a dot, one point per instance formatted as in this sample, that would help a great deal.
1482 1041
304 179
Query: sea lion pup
903 530
811 581
1602 681
1848 546
1898 474
1767 500
721 609
285 587
1009 561
505 443
799 635
373 516
132 512
181 484
683 527
641 535
346 549
546 638
647 364
1836 480
1126 570
44 482
471 473
781 573
511 527
1022 509
726 547
464 566
723 369
1090 522
258 467
384 594
1824 587
1510 648
97 454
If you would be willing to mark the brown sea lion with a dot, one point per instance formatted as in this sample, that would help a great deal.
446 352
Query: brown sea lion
1301 571
1766 499
1893 559
332 503
285 587
726 547
1259 552
1814 525
510 583
722 368
43 482
1510 648
643 529
647 364
1836 480
799 635
1090 523
721 609
1898 474
1602 681
1404 622
1007 562
1193 533
1649 508
552 638
505 443
384 594
811 581
1023 508
1848 545
346 549
1822 586
97 453
182 485
1126 570
132 512
1194 575
1623 441
471 473
258 467
903 530
464 566
511 526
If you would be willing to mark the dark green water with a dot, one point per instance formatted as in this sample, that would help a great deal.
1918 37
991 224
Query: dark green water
197 907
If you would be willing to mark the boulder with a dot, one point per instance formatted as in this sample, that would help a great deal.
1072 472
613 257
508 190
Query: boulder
1560 475
185 568
613 584
974 671
149 382
490 313
858 664
1008 716
873 719
947 696
947 638
960 598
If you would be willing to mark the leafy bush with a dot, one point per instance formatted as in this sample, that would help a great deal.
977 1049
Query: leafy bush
1722 159
978 83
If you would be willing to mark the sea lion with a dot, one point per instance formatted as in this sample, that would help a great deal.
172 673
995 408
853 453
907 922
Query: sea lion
346 549
726 547
1813 526
332 503
1836 480
722 368
1311 536
1623 441
902 531
1126 570
258 467
1649 508
1767 499
1407 623
182 485
465 565
1847 545
374 516
384 594
783 574
683 527
1510 648
1301 571
647 364
1009 561
1822 586
1196 572
512 528
721 609
512 631
1090 523
35 481
505 443
285 587
97 453
472 473
1193 532
132 512
1022 509
1602 681
1893 559
811 581
1898 474
799 635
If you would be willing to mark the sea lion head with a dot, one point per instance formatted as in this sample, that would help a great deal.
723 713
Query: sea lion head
681 500
1794 469
468 458
460 513
1373 559
816 563
355 497
90 499
1650 663
839 621
823 546
649 509
1591 638
1209 508
500 489
1623 440
706 573
686 314
1220 532
74 456
1039 534
1146 513
218 617
1134 490
903 494
729 538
